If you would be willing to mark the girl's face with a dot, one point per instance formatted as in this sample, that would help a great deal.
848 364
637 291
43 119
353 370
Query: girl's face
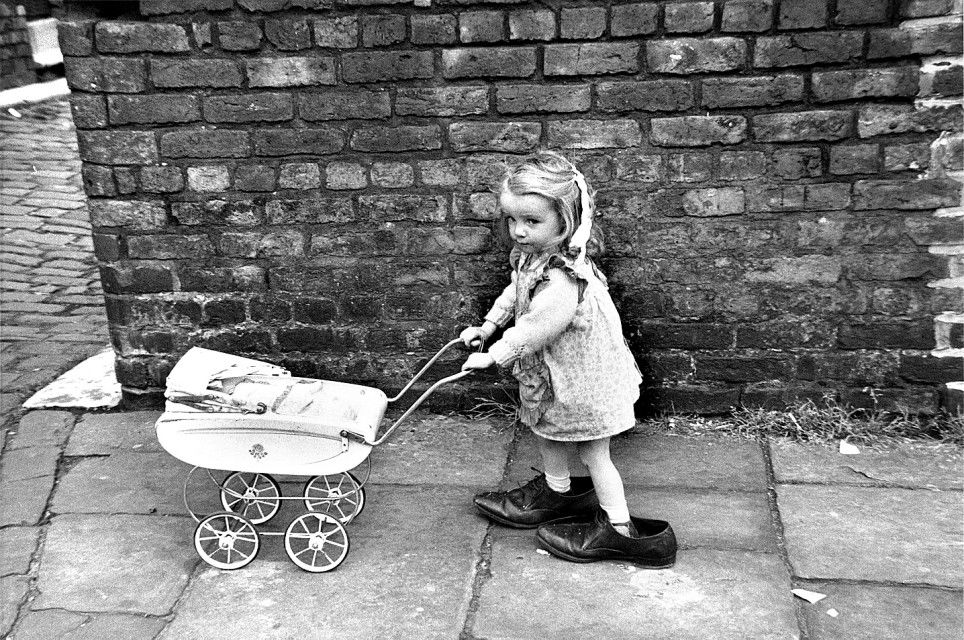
533 223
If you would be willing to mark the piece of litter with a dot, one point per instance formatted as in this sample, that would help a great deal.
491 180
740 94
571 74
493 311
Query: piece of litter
810 596
542 551
14 112
833 613
848 449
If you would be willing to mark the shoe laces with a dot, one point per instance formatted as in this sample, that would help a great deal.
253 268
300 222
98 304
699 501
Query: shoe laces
532 488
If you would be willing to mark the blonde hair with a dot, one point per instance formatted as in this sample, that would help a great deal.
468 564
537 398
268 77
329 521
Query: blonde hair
552 176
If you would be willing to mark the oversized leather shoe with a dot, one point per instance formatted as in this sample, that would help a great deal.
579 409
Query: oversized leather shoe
534 503
655 547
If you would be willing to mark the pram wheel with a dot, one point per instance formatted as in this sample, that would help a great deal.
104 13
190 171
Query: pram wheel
226 540
340 496
316 542
256 496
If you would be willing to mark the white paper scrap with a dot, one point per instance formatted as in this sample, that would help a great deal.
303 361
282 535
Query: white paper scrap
542 551
810 596
833 613
848 449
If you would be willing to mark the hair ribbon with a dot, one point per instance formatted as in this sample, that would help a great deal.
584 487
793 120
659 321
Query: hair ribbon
580 237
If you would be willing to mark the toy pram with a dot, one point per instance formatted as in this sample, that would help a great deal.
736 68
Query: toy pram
254 419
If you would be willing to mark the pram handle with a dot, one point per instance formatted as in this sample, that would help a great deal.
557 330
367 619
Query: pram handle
421 399
424 369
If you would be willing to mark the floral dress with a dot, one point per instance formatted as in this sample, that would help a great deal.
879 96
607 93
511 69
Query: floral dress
577 378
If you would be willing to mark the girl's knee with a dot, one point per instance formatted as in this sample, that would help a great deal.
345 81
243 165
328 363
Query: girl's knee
594 452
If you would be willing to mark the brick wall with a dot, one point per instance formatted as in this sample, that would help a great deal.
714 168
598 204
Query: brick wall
17 67
309 181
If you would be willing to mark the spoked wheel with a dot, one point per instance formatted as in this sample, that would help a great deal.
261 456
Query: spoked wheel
340 496
226 540
316 542
256 496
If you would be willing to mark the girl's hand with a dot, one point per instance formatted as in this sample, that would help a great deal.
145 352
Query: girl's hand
478 361
473 336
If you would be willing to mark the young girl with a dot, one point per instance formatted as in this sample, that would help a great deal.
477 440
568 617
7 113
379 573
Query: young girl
577 378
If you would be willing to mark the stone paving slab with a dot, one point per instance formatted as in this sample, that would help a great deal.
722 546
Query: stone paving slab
17 545
443 449
714 519
408 575
105 433
873 612
708 593
40 428
23 502
45 625
13 590
668 461
908 464
883 535
116 564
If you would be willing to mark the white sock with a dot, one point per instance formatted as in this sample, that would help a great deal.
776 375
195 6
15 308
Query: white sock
559 484
618 514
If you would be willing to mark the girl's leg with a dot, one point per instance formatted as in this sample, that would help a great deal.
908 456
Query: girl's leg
608 483
555 462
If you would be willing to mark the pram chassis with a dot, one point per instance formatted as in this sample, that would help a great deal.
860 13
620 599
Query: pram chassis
316 541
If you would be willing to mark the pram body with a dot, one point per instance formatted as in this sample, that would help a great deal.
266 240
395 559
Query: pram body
253 419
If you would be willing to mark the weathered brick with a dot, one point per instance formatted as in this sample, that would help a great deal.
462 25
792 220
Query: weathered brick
169 246
798 197
133 214
344 104
802 14
923 368
288 35
393 175
752 91
202 34
918 39
697 131
691 55
795 163
244 213
382 30
509 137
883 119
434 29
76 37
163 7
829 86
207 72
807 49
906 194
887 335
594 134
107 248
141 279
269 309
637 167
205 144
88 111
239 35
582 23
902 157
850 12
400 138
713 202
689 167
257 244
591 58
480 26
162 179
223 312
284 142
537 24
345 175
805 125
254 177
651 95
289 72
533 98
337 33
249 107
386 66
311 211
98 181
112 75
220 279
851 159
441 101
134 37
785 334
747 15
395 208
281 5
688 17
299 175
633 19
314 310
741 165
117 147
155 108
474 62
211 179
307 339
440 173
126 180
942 78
